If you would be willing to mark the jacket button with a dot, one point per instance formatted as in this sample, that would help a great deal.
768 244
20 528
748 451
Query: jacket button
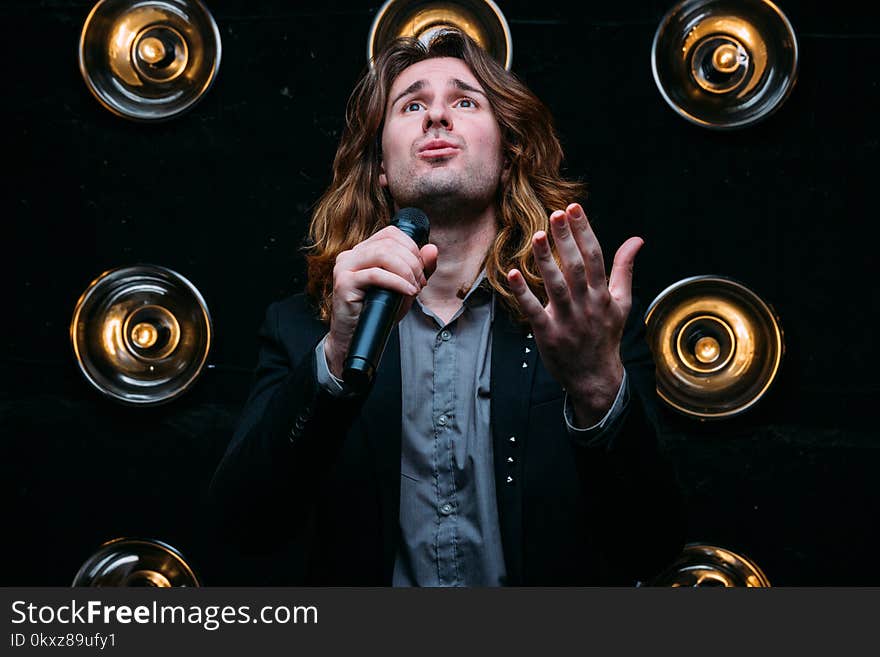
509 479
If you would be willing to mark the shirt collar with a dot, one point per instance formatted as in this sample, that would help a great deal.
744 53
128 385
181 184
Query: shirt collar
480 292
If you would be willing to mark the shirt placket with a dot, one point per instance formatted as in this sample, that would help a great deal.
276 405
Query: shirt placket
444 436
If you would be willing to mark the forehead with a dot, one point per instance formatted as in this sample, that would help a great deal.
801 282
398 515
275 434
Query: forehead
437 71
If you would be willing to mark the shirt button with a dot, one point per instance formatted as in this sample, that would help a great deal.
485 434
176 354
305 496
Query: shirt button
442 420
446 509
445 335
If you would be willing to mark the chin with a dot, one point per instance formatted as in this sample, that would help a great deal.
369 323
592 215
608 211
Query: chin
443 186
431 184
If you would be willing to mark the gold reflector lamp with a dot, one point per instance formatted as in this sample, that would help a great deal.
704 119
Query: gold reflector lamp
481 20
725 63
131 562
717 346
141 334
151 60
701 565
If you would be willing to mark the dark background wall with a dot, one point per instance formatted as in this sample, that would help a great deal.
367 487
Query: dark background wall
222 195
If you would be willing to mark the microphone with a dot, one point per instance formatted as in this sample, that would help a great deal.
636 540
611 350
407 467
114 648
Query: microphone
379 311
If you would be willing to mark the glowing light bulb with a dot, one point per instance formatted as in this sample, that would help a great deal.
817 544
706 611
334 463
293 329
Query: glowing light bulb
144 335
707 350
725 59
151 50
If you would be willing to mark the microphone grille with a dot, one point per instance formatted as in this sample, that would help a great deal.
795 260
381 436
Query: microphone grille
414 216
413 222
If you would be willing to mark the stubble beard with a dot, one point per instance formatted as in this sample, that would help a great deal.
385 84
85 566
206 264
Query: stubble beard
446 195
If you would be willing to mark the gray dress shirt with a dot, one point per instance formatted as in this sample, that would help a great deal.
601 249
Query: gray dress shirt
449 528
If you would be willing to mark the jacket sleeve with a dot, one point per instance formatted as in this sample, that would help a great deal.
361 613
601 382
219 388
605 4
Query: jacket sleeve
289 434
630 484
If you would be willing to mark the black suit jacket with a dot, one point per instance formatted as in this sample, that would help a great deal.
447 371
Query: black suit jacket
325 472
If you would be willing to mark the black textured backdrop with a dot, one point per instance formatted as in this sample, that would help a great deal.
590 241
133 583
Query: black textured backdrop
222 195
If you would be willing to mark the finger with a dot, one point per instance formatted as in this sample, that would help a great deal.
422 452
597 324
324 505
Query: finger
392 257
395 234
397 261
620 284
554 283
573 268
588 245
364 279
527 301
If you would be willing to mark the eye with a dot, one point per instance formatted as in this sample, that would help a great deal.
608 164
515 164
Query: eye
467 103
412 106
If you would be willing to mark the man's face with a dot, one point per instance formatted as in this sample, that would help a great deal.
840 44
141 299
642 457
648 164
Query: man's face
441 144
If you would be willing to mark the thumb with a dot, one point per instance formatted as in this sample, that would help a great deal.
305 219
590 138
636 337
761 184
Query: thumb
429 254
620 283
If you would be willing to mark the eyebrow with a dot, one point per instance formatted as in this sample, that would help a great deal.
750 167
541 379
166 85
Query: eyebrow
418 85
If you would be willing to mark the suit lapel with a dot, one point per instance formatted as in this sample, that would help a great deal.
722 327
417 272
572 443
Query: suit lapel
382 414
514 356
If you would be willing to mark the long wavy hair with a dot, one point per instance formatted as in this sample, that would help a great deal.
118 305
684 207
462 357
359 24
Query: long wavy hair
355 205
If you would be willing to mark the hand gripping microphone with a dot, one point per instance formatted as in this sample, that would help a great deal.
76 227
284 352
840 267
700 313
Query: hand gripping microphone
379 311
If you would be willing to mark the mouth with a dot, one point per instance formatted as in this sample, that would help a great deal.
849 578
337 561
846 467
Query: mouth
438 148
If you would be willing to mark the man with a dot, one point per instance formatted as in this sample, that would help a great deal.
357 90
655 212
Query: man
507 437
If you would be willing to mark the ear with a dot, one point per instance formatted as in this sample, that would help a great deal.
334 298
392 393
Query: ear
506 167
383 179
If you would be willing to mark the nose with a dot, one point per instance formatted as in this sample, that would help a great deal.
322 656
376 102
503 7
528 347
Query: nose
437 116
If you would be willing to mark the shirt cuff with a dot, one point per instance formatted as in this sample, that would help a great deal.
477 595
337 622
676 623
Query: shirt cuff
325 377
596 430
